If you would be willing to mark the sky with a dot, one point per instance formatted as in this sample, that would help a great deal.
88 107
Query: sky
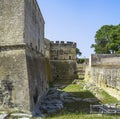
78 20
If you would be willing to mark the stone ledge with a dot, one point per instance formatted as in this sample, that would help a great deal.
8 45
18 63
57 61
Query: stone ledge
17 47
12 47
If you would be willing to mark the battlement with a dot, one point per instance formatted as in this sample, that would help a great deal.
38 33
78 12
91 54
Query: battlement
64 43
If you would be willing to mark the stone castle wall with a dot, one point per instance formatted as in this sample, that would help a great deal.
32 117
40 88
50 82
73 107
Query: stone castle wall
63 60
104 71
14 85
47 48
34 26
22 63
11 22
37 77
62 50
36 62
63 70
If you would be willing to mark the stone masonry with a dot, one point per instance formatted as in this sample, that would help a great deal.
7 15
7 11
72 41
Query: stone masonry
104 71
62 57
23 80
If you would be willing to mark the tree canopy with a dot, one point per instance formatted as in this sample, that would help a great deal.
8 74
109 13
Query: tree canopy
78 52
107 40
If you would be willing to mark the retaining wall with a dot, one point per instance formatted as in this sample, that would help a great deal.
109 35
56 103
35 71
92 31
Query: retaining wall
104 71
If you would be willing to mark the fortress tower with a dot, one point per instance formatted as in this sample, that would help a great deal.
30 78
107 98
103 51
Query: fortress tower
62 57
22 64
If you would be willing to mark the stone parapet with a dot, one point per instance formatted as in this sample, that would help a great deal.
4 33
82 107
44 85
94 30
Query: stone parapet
64 43
105 60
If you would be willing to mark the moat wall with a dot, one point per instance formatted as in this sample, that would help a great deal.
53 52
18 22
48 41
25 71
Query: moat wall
14 88
37 77
23 80
104 71
63 70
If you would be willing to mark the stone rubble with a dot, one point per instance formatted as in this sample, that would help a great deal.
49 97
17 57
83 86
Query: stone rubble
2 116
76 81
92 88
51 103
13 115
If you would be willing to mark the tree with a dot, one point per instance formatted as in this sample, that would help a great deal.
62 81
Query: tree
80 60
78 53
107 40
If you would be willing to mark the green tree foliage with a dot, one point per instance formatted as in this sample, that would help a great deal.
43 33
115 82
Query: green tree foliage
80 60
107 40
78 52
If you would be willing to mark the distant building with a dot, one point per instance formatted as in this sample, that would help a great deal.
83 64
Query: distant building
62 56
62 50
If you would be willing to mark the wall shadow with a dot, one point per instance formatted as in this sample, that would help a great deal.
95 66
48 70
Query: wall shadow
82 106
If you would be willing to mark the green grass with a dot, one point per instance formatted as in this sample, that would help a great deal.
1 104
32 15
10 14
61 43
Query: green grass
73 88
106 98
81 116
78 106
78 91
81 109
77 115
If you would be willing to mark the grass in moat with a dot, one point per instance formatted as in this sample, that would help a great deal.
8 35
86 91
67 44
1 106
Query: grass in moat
81 109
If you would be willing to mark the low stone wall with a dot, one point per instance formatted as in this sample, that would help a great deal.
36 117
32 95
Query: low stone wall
62 70
104 71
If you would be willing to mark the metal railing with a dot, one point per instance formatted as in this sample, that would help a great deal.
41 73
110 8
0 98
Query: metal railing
113 109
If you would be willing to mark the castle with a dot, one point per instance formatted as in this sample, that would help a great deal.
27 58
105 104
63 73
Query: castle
26 64
62 56
23 79
28 61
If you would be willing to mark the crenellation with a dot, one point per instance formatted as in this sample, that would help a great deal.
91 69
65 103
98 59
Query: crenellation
63 43
62 56
57 42
63 51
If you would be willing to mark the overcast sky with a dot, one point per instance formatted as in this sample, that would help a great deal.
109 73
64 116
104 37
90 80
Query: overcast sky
78 20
